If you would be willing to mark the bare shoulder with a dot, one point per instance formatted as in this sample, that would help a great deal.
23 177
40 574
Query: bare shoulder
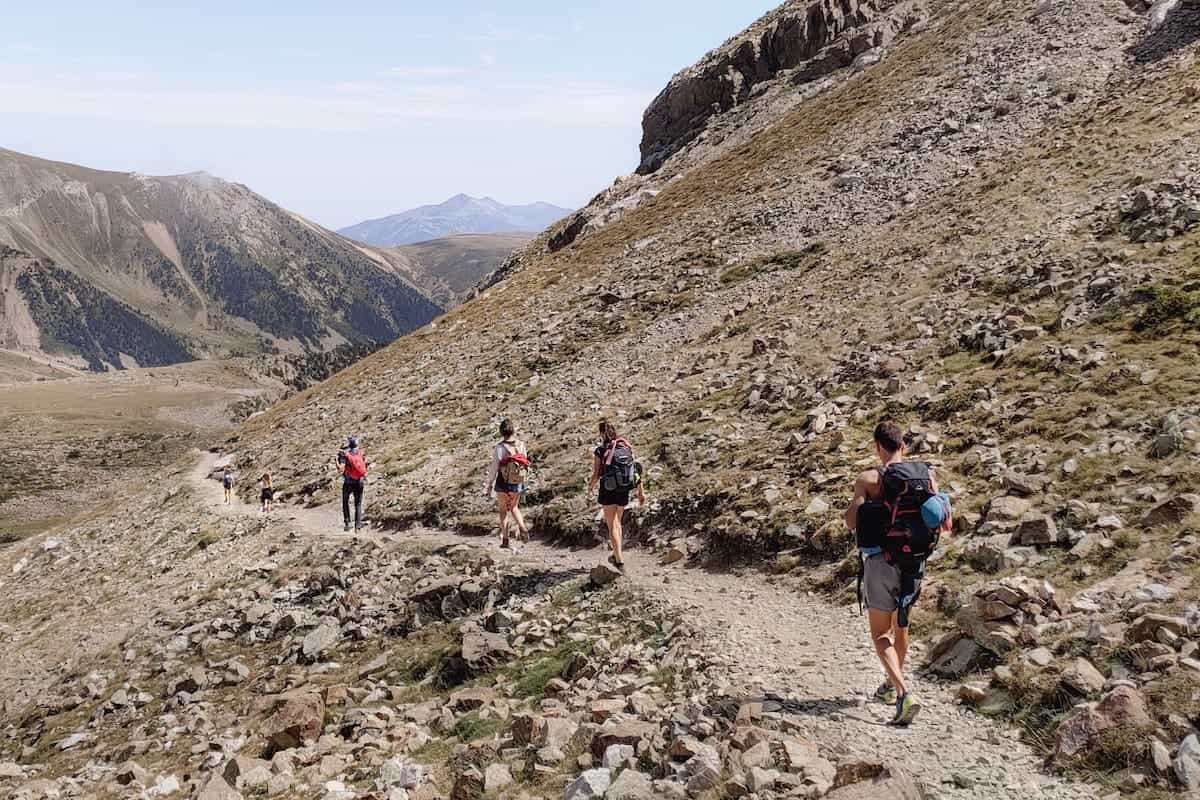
867 482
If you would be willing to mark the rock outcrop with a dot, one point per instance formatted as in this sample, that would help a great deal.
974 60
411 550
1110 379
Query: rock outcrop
801 39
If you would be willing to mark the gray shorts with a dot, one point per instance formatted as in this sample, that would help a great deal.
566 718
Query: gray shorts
885 589
881 584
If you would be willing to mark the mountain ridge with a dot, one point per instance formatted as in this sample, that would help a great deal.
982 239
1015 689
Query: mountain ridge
214 266
460 214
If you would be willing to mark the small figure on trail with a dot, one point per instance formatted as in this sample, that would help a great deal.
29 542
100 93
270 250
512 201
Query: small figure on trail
506 479
266 492
897 517
617 473
227 482
352 464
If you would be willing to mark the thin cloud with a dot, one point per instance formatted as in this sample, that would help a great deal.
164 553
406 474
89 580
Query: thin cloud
425 72
494 35
351 106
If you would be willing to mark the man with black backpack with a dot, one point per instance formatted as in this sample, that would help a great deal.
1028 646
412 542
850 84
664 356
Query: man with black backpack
352 464
897 516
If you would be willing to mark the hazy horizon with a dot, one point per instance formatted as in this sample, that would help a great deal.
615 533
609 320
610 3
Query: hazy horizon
355 113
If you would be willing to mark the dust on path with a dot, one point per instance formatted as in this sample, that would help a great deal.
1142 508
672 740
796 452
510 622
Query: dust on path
815 657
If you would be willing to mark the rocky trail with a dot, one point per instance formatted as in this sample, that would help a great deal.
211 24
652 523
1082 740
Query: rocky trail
798 654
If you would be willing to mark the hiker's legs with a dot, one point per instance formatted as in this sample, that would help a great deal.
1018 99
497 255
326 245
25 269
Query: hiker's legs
517 515
612 516
900 642
358 495
881 636
502 504
345 503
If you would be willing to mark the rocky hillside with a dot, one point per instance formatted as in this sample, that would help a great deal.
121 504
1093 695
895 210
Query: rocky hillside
983 224
448 269
118 270
460 214
981 218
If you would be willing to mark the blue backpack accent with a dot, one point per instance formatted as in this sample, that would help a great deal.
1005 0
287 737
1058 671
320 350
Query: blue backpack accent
936 510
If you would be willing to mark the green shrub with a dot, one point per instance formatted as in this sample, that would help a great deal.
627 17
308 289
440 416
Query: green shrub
1166 305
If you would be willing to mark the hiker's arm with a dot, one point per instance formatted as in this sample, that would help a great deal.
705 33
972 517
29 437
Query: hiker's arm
595 473
493 471
860 497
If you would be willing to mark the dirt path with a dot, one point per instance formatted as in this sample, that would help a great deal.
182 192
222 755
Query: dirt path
814 656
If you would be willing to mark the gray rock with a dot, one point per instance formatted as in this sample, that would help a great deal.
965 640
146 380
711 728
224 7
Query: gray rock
1036 529
1172 511
215 788
1187 763
397 772
604 574
1083 677
320 639
631 785
618 755
496 777
590 784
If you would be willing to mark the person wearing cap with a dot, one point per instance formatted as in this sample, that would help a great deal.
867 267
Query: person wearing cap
352 465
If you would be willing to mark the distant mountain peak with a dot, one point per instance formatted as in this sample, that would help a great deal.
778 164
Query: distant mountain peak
461 214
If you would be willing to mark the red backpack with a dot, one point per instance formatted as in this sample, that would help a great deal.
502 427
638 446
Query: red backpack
356 466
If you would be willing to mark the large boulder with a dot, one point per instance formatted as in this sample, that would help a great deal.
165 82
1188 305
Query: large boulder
1175 510
629 732
1123 707
591 784
1187 763
299 720
868 781
631 785
483 651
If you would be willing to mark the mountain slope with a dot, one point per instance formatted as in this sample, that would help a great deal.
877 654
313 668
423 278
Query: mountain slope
116 268
986 226
448 269
459 214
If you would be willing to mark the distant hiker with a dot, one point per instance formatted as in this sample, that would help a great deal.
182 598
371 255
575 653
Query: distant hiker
506 478
617 473
266 492
227 482
897 516
352 464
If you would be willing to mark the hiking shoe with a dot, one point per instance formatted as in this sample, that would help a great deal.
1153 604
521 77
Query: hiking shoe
505 545
618 564
886 694
346 527
907 709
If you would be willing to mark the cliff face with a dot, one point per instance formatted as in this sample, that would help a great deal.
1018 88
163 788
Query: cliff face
802 40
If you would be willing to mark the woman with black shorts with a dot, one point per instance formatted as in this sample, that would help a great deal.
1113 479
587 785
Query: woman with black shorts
267 493
613 501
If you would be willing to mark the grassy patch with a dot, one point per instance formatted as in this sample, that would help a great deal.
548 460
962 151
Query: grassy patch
775 262
472 727
1165 306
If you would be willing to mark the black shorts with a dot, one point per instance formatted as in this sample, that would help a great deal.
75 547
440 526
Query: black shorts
613 497
267 494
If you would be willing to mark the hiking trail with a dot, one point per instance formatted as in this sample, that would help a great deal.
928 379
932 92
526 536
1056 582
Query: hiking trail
813 657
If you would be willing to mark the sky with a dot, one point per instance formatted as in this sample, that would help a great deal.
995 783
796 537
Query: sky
353 110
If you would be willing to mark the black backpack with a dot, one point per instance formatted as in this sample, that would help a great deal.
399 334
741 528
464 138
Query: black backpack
619 468
907 540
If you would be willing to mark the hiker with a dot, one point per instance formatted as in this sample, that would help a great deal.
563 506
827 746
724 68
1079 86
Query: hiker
896 516
266 492
506 479
227 482
616 472
352 464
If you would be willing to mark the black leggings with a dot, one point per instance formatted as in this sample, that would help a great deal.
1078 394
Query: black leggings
352 488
